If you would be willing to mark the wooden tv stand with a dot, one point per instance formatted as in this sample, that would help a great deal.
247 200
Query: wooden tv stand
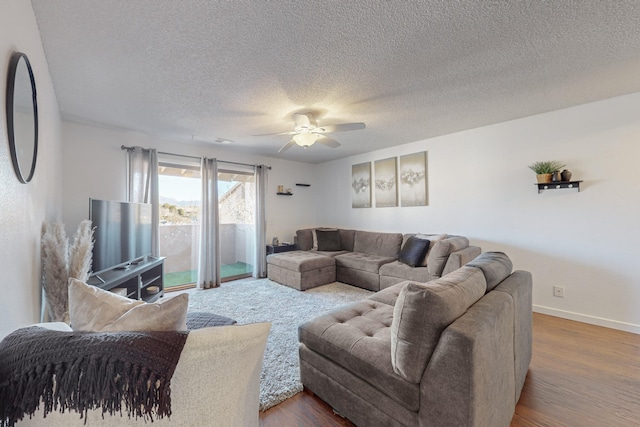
136 279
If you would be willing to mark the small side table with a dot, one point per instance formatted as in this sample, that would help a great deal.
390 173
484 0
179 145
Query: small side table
280 248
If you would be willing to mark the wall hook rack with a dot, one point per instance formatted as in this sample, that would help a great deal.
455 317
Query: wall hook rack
558 185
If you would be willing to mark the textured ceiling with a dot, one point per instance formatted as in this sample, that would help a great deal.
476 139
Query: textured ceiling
199 70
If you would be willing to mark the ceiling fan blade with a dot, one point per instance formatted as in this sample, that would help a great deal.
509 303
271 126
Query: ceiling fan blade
275 133
340 127
302 120
329 142
286 146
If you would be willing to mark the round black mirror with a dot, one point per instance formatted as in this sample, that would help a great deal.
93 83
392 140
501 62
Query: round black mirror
22 117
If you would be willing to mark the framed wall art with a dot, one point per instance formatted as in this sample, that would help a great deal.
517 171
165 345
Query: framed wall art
386 178
361 185
414 180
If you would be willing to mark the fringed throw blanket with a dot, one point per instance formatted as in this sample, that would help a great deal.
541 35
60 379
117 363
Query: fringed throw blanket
81 371
202 319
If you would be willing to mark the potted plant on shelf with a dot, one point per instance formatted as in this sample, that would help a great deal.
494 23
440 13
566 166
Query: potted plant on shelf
544 170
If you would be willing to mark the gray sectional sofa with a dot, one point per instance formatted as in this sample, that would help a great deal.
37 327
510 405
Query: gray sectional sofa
365 259
451 352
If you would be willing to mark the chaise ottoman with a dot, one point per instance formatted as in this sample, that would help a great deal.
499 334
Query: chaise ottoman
301 270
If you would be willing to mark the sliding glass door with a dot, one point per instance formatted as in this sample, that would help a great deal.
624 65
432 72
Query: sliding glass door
180 202
180 184
237 210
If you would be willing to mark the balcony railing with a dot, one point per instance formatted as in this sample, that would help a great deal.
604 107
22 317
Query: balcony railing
180 243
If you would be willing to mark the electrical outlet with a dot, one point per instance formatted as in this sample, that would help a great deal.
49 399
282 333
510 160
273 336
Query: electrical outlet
558 291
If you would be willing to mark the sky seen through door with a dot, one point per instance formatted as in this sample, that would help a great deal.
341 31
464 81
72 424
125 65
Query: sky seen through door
186 189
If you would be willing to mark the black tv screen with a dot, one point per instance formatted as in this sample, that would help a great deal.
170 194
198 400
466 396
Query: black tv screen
122 233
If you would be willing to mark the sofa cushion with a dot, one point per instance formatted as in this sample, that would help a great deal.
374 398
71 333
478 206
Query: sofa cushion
357 337
438 255
389 295
496 267
96 310
413 251
403 271
302 280
300 261
423 311
328 240
381 244
362 261
331 253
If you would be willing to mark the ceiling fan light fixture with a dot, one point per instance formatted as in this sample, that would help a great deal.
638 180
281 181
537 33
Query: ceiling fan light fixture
306 132
305 139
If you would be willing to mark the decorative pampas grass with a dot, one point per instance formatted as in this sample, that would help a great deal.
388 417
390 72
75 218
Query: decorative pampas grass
80 253
55 258
61 261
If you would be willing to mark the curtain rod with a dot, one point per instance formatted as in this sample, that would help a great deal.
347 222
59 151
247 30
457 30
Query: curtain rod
124 147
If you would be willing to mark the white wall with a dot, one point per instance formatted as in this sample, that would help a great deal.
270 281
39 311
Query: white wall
480 187
24 207
95 166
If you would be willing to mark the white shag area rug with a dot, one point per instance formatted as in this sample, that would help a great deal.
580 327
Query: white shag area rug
261 300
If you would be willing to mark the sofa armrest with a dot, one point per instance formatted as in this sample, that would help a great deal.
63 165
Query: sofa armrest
467 382
519 285
459 258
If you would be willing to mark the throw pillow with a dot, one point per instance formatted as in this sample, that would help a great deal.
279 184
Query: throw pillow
413 251
314 235
96 310
437 257
328 240
347 239
304 239
422 311
433 238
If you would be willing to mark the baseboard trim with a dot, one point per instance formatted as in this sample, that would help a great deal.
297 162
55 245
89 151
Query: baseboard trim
592 320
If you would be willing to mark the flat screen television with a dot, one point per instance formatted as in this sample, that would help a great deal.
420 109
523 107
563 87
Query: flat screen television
122 233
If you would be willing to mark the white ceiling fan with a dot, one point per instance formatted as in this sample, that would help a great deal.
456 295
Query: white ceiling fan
306 132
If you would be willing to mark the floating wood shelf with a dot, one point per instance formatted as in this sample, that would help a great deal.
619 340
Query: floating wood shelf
284 194
303 185
557 185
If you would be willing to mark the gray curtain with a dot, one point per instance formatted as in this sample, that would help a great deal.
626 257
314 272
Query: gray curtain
260 263
209 254
142 187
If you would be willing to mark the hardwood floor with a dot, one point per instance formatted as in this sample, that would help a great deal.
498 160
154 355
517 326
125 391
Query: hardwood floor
581 375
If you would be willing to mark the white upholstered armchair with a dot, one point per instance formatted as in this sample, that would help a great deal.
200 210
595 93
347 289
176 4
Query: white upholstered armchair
216 382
